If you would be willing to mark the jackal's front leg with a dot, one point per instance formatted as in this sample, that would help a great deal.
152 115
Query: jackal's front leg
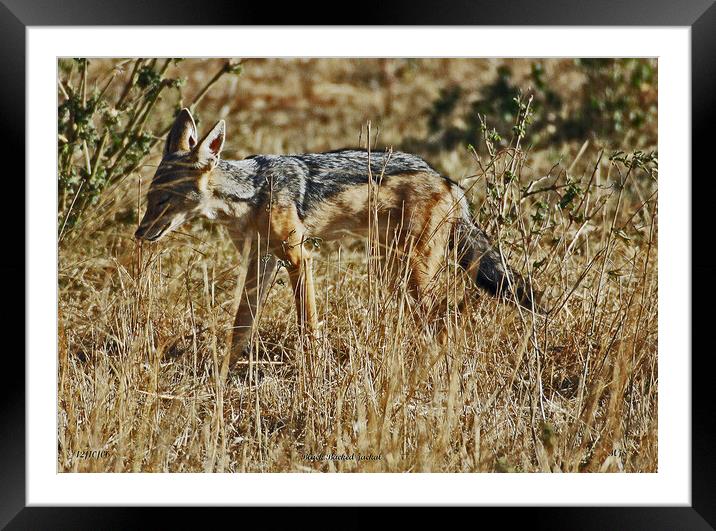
260 268
301 274
287 228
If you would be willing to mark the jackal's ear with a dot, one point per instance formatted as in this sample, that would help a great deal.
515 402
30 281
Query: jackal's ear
182 136
209 148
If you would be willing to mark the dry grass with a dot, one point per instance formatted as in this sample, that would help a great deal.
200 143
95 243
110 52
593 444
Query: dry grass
142 329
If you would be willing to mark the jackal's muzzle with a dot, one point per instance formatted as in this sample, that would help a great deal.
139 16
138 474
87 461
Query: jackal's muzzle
151 232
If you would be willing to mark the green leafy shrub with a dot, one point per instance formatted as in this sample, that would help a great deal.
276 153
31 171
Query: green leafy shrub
615 104
104 135
618 101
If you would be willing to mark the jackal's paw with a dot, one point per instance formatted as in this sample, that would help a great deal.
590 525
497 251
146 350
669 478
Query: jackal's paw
318 332
315 336
312 331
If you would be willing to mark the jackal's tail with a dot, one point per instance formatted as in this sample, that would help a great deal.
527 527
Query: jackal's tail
483 263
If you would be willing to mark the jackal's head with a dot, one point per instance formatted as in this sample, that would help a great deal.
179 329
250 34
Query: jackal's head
179 190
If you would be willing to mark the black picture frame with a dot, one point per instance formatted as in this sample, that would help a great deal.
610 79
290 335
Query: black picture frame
699 15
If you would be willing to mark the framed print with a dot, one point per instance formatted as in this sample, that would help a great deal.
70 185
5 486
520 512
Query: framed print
366 265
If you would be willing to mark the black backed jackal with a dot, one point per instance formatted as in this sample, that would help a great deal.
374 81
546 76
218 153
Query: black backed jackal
272 205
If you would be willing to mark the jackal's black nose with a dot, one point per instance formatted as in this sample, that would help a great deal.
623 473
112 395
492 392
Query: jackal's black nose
139 233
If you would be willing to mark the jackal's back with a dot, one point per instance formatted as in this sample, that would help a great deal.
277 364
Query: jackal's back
317 177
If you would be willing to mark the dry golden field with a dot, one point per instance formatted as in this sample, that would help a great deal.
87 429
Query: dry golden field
142 371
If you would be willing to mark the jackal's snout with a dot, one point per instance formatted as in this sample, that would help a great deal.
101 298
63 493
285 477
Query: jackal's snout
150 231
139 233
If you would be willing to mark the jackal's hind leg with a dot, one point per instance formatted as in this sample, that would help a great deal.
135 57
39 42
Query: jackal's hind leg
437 288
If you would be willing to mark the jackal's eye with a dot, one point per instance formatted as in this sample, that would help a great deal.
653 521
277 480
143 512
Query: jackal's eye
163 200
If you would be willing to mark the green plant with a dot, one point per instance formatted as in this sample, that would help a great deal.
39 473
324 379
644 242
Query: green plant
618 101
615 104
104 133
